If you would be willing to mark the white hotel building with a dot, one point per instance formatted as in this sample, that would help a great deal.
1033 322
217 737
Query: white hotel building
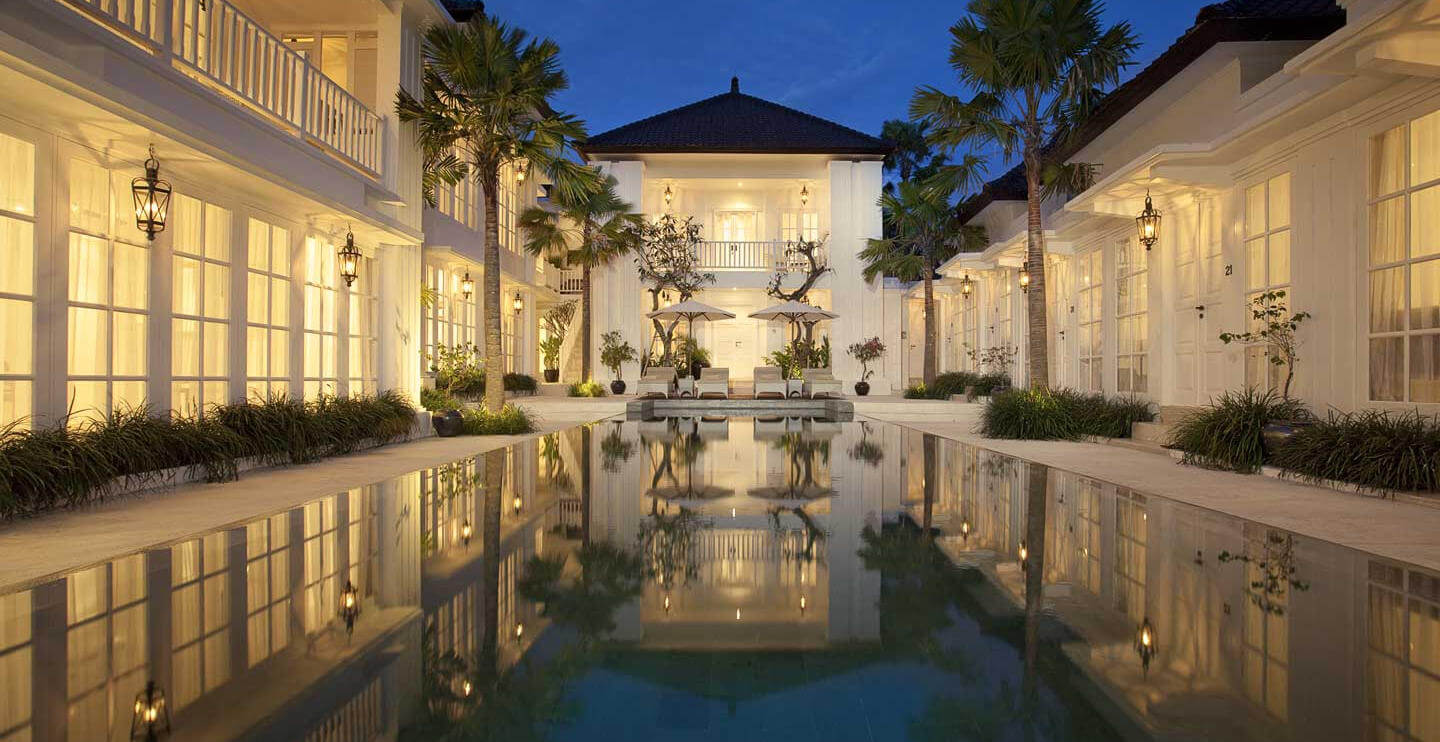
1290 145
274 123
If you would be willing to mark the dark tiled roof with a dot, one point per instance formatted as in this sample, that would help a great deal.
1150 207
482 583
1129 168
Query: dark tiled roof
737 123
1232 20
463 10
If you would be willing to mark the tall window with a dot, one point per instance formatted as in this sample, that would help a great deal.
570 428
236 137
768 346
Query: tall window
199 617
267 312
17 663
267 587
796 225
106 645
1131 540
1402 674
201 299
1091 321
1132 325
1005 308
1404 271
509 323
508 205
321 324
460 202
17 281
362 346
109 294
450 318
1267 263
969 328
321 549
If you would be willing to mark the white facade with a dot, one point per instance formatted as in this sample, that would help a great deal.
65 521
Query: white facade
274 124
1290 165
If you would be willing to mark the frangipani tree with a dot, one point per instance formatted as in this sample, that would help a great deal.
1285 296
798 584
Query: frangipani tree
1038 67
589 230
486 107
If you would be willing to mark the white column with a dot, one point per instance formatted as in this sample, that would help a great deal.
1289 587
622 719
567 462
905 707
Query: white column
854 217
399 323
616 291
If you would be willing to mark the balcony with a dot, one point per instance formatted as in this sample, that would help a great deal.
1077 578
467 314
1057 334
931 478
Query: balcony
570 280
219 46
766 255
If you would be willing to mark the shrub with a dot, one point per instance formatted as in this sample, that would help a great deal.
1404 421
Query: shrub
473 385
1107 418
1228 433
1030 415
955 382
436 400
1376 451
586 389
510 420
65 466
518 383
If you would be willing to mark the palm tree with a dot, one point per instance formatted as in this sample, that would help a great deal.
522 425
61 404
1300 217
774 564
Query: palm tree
925 232
589 230
486 107
912 156
1039 67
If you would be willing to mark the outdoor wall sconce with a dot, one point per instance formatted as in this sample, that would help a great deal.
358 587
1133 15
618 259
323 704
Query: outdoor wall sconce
1148 224
967 286
349 606
519 303
965 531
517 503
669 196
467 286
667 603
151 720
519 631
804 195
520 172
1025 277
152 198
1145 643
466 531
802 604
1024 556
349 260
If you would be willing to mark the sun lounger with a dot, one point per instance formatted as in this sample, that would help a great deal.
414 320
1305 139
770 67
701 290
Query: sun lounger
819 383
659 380
713 382
769 382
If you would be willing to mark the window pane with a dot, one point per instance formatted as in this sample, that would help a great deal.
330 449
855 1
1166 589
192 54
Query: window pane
257 298
89 270
1255 275
132 276
16 401
1255 210
89 196
1279 201
185 397
1425 295
1425 149
185 347
1387 369
1387 165
1424 222
217 233
1387 300
217 291
1387 231
17 175
128 348
87 400
1425 368
186 286
258 255
279 302
257 341
17 251
89 341
216 349
279 353
187 221
17 335
280 251
1280 258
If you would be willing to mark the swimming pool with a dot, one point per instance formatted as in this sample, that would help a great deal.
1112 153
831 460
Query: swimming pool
716 578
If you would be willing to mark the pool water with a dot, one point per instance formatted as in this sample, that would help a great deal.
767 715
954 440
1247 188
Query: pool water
740 578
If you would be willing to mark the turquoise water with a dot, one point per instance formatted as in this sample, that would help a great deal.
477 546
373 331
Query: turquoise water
714 579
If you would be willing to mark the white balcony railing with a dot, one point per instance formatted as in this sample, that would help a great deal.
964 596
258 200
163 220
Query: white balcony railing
216 43
767 255
571 280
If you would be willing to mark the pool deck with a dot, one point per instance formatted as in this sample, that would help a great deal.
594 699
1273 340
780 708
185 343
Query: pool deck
33 549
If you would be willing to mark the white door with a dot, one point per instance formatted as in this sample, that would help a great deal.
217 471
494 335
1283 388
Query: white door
734 345
1200 276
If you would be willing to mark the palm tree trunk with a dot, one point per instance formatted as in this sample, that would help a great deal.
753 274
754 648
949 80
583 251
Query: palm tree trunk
1037 335
494 353
585 322
1036 501
494 475
930 333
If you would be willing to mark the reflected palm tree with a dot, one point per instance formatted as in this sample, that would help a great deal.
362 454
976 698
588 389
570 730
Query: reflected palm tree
669 544
608 577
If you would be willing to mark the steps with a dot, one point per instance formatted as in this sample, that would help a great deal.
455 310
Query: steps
1157 432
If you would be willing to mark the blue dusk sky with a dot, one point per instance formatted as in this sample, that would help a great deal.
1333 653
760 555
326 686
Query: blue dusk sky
845 60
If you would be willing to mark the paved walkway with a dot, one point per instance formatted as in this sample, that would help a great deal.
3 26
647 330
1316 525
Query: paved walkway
1405 531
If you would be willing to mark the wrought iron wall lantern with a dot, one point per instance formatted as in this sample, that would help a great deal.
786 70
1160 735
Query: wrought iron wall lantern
152 198
466 531
349 259
967 286
669 196
1148 224
519 303
1025 277
151 720
1145 644
349 606
467 286
804 195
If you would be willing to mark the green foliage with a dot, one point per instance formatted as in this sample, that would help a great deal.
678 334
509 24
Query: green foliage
956 382
1275 331
64 466
799 355
458 368
510 420
1228 433
520 383
615 351
473 384
1096 415
1027 414
550 350
1377 451
586 389
436 400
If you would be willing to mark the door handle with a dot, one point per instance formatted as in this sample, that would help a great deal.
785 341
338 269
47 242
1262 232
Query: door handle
1201 309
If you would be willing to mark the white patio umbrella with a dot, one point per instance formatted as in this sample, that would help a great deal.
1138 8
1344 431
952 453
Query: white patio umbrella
793 312
691 310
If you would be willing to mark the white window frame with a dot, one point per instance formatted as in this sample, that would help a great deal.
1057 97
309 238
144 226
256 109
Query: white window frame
210 385
1264 237
18 384
1136 281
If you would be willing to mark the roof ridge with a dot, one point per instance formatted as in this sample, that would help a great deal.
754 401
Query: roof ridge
812 116
650 118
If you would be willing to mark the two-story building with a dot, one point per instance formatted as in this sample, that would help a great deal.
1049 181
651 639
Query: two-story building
756 176
273 125
1289 146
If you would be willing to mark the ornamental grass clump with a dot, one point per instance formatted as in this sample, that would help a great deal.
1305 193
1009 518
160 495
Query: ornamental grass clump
586 389
1374 450
1096 415
1031 414
510 420
1229 434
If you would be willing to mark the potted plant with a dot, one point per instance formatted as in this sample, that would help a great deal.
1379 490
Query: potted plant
614 353
865 352
1275 328
550 353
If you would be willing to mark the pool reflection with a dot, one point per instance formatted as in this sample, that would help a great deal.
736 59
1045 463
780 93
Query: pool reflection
595 580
